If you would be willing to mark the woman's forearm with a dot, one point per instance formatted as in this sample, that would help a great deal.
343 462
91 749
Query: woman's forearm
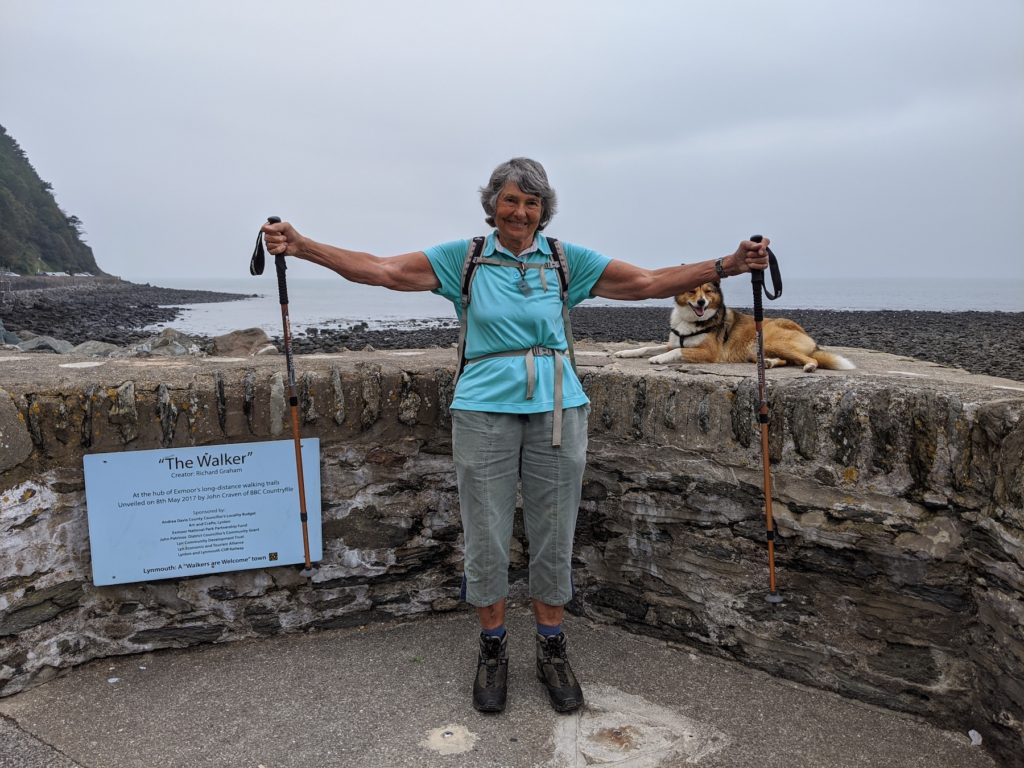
357 266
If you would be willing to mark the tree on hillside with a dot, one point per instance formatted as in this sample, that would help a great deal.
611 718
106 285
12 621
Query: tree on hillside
35 234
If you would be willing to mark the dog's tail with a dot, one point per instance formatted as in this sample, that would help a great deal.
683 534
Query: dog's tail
832 361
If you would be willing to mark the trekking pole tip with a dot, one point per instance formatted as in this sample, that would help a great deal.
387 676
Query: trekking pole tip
308 573
774 598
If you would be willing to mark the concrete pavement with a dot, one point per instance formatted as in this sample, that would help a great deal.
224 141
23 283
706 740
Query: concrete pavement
399 695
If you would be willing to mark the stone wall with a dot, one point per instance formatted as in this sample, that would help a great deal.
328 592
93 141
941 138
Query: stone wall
899 499
899 511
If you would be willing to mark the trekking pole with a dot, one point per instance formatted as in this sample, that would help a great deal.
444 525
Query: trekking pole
757 279
256 268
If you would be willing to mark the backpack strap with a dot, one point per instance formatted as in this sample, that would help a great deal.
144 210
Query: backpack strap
562 267
473 251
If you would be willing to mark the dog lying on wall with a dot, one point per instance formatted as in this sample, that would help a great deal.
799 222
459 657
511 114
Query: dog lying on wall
703 330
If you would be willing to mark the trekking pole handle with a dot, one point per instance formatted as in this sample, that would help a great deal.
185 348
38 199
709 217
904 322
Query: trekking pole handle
282 285
757 277
757 280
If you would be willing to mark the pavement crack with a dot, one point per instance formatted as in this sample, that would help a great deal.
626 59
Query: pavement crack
9 751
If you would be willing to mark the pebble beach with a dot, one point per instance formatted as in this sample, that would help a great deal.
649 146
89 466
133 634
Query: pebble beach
116 311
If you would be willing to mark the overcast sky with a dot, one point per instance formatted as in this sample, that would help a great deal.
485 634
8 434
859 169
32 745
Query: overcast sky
869 138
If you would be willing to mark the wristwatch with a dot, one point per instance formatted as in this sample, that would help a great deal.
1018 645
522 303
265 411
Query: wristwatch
720 267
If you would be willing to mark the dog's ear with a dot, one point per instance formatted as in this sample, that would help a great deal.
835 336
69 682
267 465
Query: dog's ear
717 284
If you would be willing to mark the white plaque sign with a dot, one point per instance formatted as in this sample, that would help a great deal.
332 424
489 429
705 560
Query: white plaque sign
179 512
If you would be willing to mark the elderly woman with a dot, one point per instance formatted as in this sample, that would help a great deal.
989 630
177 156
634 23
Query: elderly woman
512 394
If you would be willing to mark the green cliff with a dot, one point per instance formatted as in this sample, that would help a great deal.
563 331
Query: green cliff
35 234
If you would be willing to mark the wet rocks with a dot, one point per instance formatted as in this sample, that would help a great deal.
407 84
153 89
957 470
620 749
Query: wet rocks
94 349
97 309
46 344
246 343
167 343
8 338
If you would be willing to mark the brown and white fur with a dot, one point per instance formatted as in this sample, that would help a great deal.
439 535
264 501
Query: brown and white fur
704 330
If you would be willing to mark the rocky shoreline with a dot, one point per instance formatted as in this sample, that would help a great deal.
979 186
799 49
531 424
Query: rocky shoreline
94 309
114 311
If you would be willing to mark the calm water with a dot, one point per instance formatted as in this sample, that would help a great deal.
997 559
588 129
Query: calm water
333 302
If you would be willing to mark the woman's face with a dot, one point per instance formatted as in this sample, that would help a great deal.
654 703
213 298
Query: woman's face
517 215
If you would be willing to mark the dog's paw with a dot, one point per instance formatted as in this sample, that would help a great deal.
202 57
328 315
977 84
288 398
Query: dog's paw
773 362
810 367
628 353
667 357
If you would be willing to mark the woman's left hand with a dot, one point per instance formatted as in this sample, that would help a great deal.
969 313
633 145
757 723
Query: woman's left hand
749 255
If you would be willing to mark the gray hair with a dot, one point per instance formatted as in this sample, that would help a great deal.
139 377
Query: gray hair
530 177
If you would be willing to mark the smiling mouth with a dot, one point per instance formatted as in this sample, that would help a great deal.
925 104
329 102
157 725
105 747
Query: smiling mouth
697 310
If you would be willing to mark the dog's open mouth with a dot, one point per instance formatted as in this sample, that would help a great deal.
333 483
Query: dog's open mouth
697 310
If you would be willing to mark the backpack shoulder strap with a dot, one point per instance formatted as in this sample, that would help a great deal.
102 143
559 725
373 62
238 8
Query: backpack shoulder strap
562 267
469 264
473 251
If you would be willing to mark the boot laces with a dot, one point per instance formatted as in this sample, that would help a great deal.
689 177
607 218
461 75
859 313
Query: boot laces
554 653
491 652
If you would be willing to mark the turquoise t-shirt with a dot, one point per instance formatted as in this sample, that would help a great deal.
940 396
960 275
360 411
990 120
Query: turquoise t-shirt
502 318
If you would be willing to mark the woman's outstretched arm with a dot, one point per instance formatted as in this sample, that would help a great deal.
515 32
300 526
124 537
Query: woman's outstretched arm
406 272
622 280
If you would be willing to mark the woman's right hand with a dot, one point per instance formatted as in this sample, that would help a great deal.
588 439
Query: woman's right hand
749 255
282 238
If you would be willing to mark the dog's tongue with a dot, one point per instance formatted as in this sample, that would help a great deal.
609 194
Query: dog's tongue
698 311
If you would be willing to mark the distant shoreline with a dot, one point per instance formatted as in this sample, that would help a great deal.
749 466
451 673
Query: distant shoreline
116 311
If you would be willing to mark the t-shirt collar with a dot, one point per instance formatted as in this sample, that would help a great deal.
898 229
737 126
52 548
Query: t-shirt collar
492 246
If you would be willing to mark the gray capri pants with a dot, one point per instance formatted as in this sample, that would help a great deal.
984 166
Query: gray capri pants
492 451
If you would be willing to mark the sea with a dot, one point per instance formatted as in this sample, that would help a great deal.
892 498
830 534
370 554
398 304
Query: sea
333 303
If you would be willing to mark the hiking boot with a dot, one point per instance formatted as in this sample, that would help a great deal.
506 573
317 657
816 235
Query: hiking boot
554 671
491 683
